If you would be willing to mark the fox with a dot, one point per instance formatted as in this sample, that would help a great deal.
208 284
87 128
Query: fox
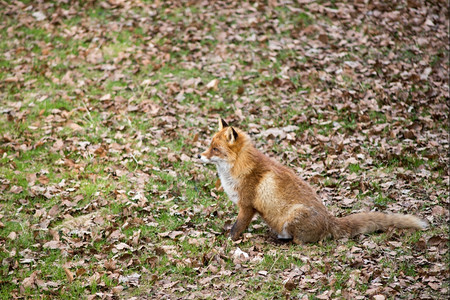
258 184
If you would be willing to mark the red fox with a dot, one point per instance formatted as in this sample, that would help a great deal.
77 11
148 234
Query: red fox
259 184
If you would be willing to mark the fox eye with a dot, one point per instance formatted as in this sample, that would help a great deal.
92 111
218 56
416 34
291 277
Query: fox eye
215 149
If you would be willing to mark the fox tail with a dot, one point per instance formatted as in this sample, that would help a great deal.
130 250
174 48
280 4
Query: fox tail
361 223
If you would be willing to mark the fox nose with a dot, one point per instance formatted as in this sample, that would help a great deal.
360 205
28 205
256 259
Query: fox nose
199 156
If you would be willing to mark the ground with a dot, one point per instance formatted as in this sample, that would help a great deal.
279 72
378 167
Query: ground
104 106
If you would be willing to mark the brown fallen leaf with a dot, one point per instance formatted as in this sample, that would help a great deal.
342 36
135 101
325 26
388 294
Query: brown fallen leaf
53 211
80 272
240 255
426 72
16 189
322 138
74 126
43 179
290 284
12 235
95 56
218 184
105 97
31 280
54 234
11 79
117 289
323 38
213 84
110 265
420 245
171 234
100 151
68 274
436 240
53 245
132 280
58 145
172 157
347 202
122 246
439 211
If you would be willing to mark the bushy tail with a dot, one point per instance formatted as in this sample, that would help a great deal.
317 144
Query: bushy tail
352 225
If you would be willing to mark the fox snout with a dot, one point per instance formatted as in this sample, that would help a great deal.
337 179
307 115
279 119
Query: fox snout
203 158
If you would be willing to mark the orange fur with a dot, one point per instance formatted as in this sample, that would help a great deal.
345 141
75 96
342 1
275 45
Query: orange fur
259 184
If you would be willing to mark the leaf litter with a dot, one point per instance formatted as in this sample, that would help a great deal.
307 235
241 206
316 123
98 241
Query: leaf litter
104 106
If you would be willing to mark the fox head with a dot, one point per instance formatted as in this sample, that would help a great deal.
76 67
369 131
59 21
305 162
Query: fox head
225 146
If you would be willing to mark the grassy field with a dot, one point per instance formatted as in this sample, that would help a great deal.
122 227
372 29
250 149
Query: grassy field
104 106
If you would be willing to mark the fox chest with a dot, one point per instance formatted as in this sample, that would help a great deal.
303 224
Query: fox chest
229 184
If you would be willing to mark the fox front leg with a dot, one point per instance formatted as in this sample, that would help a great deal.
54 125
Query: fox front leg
244 218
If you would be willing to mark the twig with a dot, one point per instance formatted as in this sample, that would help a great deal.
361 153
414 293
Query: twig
88 112
145 89
278 257
135 160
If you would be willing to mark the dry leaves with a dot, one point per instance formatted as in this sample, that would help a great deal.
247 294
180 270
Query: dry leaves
105 105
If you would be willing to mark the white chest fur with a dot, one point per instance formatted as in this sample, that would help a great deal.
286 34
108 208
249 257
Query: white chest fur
229 184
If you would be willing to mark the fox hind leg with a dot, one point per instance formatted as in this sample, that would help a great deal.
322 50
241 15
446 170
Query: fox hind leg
308 225
284 234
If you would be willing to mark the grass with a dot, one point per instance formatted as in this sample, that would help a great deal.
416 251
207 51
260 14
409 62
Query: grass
141 142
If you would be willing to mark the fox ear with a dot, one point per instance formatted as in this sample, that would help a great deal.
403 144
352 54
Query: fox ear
222 124
231 135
